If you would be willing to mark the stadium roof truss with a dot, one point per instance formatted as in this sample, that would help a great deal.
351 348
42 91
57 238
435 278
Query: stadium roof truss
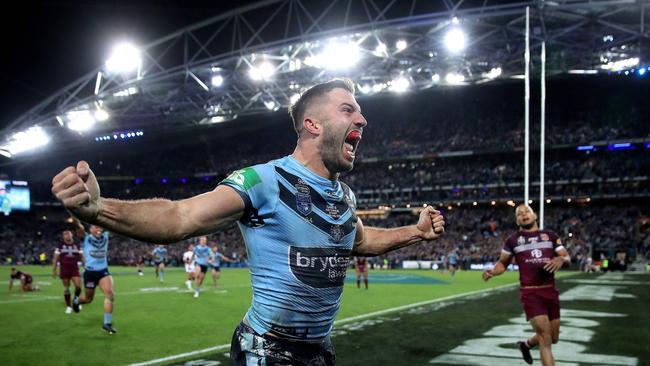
173 86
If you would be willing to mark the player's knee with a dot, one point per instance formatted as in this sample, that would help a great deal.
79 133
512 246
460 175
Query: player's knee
555 338
544 338
110 297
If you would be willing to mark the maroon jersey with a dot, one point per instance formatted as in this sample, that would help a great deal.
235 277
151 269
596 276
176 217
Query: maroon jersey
361 261
532 250
69 255
21 276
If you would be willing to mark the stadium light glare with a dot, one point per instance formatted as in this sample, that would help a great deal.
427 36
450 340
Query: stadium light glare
80 121
401 45
435 78
60 120
263 71
377 87
621 64
454 78
337 55
400 85
380 50
365 89
568 200
101 115
642 71
124 58
455 40
548 200
26 140
474 203
270 105
530 202
493 203
494 73
217 80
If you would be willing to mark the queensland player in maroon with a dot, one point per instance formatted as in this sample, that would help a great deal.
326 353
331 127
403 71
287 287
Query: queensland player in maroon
26 280
361 267
539 253
69 253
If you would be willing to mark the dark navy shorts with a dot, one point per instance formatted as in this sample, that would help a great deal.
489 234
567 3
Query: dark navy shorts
91 278
249 348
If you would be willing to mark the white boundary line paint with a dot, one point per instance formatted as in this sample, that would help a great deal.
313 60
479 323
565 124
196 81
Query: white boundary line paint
338 322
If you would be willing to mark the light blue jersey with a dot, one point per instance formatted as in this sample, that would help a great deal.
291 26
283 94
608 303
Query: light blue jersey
159 254
453 258
216 259
299 229
96 250
202 254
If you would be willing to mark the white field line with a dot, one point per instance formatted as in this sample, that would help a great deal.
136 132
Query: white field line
338 322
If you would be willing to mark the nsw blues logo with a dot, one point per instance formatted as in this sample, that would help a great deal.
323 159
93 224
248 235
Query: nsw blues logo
303 198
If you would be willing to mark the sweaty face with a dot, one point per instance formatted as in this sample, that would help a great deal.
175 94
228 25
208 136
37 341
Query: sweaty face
525 217
342 124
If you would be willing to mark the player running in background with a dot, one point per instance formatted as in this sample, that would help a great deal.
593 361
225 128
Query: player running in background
26 280
539 253
139 264
69 253
188 259
95 249
202 255
215 263
452 262
361 267
159 255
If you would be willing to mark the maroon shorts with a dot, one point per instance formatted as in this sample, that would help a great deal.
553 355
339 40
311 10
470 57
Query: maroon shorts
540 301
361 268
69 272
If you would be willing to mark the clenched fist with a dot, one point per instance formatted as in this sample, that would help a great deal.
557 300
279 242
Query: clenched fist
78 190
431 223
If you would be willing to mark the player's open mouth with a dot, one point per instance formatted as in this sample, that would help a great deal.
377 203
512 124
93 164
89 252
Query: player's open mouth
351 142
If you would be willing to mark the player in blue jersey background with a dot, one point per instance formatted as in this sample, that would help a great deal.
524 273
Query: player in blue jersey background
297 219
159 255
96 274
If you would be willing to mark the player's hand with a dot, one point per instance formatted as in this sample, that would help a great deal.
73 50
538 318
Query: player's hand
431 223
487 274
78 190
554 264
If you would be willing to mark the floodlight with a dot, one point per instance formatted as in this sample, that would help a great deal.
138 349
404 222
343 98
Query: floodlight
262 72
401 44
338 55
453 78
125 58
101 115
26 140
81 120
217 80
400 85
455 40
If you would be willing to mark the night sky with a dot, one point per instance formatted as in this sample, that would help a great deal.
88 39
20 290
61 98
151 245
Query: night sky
49 44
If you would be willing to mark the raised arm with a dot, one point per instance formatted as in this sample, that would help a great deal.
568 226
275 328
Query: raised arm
499 267
155 220
80 230
370 241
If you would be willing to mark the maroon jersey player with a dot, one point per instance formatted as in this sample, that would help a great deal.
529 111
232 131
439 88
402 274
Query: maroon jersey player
68 253
539 253
26 280
361 267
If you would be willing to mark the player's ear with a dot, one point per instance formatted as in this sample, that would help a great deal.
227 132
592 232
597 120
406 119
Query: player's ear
312 126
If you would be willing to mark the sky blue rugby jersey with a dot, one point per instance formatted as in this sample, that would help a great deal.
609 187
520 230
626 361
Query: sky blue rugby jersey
159 254
216 259
202 254
96 251
299 229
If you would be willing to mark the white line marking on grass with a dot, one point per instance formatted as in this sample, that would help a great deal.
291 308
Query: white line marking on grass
341 321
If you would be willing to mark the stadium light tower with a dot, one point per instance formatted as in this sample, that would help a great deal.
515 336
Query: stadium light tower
125 58
340 55
455 40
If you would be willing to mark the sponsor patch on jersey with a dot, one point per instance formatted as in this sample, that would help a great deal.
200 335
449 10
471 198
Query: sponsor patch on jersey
244 179
521 240
544 236
319 267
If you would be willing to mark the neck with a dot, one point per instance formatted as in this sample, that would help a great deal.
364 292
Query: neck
535 227
311 159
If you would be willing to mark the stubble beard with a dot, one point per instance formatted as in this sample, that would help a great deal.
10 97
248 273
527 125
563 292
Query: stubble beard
332 155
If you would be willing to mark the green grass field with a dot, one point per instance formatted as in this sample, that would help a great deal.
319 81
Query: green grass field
401 320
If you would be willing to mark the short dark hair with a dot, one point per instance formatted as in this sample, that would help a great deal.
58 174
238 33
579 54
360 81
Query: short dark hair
297 110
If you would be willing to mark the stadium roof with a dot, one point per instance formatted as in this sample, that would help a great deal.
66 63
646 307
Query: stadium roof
256 58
